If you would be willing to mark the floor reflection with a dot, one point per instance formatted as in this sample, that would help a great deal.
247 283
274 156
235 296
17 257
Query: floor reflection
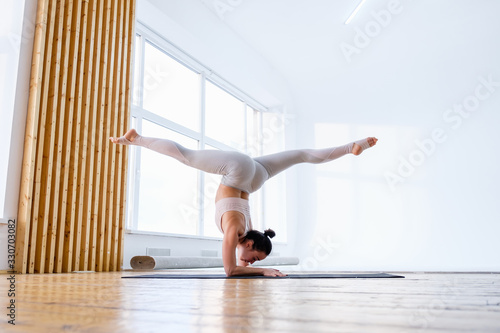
245 304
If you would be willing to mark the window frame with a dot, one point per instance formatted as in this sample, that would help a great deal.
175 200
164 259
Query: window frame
144 34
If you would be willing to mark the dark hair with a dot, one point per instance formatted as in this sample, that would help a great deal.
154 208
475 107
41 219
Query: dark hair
261 241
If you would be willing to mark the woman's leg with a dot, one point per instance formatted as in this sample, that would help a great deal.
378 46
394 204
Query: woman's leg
276 163
238 169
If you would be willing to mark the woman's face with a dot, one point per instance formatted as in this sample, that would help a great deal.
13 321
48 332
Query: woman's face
247 254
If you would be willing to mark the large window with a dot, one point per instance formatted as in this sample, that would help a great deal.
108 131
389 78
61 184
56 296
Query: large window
177 98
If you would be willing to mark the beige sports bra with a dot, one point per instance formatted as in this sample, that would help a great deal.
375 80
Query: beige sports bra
233 204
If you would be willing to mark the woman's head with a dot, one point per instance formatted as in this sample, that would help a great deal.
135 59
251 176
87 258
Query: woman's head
256 245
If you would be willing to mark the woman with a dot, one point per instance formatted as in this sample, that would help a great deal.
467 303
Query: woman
241 175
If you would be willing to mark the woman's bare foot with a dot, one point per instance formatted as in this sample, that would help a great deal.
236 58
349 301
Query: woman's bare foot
357 149
130 136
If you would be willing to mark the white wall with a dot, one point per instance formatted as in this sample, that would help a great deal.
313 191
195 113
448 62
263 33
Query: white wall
441 213
394 72
16 42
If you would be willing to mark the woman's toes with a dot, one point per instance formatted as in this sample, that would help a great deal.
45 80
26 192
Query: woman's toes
359 146
372 141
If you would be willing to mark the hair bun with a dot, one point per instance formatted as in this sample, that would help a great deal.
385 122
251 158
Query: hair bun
269 233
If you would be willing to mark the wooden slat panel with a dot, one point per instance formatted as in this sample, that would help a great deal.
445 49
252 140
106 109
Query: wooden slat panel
72 200
31 139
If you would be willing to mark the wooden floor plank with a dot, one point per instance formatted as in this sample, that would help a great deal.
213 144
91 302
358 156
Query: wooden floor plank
103 302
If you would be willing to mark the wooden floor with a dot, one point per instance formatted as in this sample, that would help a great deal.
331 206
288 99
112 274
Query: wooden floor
103 302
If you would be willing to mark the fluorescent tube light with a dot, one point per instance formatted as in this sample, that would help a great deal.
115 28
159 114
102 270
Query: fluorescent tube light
355 12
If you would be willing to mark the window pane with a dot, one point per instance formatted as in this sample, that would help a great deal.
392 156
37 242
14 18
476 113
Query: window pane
168 200
211 184
272 133
253 128
171 90
225 117
256 210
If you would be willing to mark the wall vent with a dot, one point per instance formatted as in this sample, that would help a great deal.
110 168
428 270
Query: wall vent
152 251
209 253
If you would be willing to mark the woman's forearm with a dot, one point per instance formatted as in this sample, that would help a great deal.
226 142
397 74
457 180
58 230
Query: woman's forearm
241 271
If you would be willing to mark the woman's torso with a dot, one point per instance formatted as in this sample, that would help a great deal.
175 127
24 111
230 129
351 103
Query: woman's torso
225 192
231 216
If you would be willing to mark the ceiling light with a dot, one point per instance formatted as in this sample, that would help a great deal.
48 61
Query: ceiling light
355 12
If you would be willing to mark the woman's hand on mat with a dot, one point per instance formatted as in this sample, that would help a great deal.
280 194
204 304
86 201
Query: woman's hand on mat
272 272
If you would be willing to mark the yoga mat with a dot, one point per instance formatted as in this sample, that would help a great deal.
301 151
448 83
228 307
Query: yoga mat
163 262
290 276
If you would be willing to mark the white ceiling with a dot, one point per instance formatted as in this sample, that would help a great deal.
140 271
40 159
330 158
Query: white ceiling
298 37
427 57
430 46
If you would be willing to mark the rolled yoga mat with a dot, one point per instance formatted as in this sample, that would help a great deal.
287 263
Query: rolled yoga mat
290 276
164 262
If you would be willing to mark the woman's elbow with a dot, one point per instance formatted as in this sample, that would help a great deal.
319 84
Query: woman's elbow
229 271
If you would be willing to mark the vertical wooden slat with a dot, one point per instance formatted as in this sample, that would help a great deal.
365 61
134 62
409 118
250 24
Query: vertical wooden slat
107 188
95 106
99 203
71 213
25 216
86 178
127 91
117 130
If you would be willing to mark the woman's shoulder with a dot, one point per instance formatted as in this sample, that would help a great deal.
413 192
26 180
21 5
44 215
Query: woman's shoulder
234 221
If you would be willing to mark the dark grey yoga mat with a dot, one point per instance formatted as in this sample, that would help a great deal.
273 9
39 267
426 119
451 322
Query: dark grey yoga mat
290 276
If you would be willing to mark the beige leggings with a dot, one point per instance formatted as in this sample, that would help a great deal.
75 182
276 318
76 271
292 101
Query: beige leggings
238 170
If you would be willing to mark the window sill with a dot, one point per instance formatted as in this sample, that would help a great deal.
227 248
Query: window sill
164 234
